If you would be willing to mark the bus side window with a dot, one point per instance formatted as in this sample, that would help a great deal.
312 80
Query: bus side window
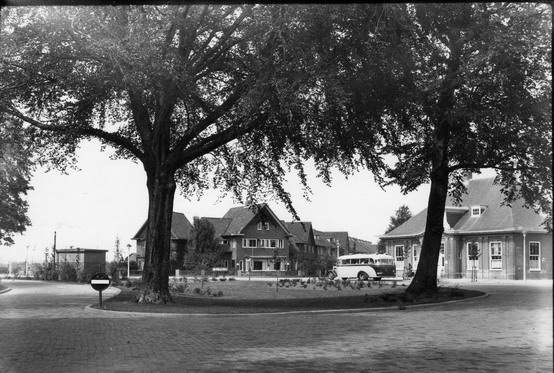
355 261
364 261
371 261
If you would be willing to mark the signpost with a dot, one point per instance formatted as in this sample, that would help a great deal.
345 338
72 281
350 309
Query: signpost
248 265
100 282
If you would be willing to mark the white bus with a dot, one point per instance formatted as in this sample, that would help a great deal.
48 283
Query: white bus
364 267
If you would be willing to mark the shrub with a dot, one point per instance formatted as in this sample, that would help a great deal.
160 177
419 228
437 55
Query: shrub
179 287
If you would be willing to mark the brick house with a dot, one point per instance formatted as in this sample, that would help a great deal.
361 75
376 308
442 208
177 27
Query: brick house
90 260
253 237
315 254
339 240
511 242
181 229
303 240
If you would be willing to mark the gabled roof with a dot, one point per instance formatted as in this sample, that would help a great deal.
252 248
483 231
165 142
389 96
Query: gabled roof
220 225
322 242
180 228
496 217
414 226
242 216
302 232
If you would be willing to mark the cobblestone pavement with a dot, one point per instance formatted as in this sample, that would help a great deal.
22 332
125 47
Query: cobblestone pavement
46 327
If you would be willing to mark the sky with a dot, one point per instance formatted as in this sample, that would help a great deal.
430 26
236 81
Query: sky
106 199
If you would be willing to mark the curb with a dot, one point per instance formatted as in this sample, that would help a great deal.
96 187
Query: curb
5 290
89 308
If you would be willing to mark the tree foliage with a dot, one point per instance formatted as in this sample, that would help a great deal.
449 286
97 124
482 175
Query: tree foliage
401 215
16 165
205 252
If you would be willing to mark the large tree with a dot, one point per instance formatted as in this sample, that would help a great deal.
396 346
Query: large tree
230 96
16 164
474 92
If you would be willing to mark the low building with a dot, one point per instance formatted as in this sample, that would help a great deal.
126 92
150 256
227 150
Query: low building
482 237
89 260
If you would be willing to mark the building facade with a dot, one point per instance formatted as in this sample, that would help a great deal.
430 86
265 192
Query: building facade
89 260
483 238
254 240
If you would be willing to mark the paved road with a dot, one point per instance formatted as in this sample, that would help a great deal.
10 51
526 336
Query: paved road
46 327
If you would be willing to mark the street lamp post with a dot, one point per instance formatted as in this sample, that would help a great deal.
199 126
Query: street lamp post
128 260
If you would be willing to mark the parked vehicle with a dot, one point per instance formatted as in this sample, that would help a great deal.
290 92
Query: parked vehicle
364 267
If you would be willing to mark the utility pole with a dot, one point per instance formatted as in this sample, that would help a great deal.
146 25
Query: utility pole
128 260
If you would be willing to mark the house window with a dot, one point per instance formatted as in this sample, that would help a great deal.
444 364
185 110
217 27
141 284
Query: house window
496 255
263 225
249 242
415 249
472 255
534 256
475 211
258 265
270 243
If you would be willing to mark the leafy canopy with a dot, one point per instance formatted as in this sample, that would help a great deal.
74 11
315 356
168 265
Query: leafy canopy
16 165
228 96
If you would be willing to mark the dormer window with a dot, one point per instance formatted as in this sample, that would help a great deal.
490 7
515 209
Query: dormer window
477 210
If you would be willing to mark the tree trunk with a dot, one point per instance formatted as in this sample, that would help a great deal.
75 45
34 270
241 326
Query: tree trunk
155 276
425 279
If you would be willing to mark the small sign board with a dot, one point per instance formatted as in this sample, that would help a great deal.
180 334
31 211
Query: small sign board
100 281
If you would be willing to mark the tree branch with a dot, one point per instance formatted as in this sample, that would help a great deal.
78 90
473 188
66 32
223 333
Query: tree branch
211 118
110 137
213 142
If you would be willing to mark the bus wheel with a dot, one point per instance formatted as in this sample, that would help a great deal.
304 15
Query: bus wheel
331 275
362 276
